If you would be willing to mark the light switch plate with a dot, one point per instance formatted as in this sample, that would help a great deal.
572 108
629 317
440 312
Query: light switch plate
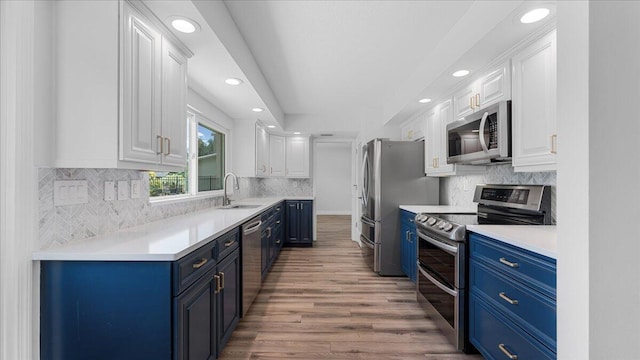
123 191
109 190
135 189
70 192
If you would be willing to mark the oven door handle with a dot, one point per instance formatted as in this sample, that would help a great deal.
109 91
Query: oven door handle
437 283
440 245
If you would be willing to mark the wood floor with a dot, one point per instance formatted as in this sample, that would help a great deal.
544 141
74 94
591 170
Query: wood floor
324 303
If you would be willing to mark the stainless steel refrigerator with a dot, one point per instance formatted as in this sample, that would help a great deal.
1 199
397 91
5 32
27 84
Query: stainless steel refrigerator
392 175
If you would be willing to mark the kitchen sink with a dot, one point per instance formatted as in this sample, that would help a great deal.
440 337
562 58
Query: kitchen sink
241 206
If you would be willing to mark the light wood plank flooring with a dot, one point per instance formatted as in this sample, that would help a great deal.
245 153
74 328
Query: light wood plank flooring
324 303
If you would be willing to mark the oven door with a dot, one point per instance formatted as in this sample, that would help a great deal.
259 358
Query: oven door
480 137
443 260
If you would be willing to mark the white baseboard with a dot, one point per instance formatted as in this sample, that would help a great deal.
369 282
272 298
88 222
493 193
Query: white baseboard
333 212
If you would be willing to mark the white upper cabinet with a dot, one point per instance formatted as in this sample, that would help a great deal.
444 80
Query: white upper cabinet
436 144
413 130
297 157
493 86
276 155
262 151
121 85
534 106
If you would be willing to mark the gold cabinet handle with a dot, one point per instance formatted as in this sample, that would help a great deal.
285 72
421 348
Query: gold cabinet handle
229 243
508 299
278 241
509 263
504 349
217 279
200 263
554 142
277 221
168 146
471 103
160 143
221 280
478 100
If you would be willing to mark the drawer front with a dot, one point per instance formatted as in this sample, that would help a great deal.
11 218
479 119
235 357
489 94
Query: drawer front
191 267
227 243
490 333
407 217
532 269
535 312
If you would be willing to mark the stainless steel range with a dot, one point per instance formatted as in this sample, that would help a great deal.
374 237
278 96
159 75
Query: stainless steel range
442 249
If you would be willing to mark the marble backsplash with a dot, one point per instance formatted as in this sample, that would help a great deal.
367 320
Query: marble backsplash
62 224
458 190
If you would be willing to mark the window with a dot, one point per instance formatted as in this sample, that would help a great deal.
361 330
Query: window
206 163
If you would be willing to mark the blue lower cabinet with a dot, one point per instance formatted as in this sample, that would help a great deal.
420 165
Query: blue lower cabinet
161 310
299 223
228 298
408 241
512 307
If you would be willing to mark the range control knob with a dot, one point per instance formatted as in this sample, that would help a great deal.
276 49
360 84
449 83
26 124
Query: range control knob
444 224
440 224
431 221
421 218
447 227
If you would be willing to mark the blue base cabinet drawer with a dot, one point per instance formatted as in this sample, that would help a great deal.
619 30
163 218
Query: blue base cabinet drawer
532 310
512 305
496 337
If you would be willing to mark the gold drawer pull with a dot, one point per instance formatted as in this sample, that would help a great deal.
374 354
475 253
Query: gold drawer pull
278 241
221 280
504 349
508 299
277 221
229 243
199 264
217 278
509 263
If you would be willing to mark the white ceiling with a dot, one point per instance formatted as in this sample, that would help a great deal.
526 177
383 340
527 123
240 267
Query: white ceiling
328 60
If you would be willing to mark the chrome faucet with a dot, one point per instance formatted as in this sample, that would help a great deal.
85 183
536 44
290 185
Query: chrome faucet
225 200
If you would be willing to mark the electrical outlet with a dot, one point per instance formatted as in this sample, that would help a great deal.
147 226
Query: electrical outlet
70 192
123 191
109 190
135 189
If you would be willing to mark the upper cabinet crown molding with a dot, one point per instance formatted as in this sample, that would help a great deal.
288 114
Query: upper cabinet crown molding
120 88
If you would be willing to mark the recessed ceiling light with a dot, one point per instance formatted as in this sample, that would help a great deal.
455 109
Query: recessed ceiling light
184 25
296 133
460 73
256 109
271 126
233 81
424 101
534 15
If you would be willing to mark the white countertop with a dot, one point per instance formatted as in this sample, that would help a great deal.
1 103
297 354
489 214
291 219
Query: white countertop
541 239
164 240
440 209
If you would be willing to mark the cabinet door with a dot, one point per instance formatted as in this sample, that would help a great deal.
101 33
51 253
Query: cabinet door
196 320
464 101
405 253
444 117
495 86
432 141
276 155
306 221
140 128
292 222
297 157
262 151
229 297
174 106
534 106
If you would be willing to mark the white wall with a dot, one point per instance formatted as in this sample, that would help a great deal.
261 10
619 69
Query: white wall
332 177
598 172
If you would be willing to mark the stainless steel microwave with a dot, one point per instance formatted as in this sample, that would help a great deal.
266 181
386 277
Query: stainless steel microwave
482 137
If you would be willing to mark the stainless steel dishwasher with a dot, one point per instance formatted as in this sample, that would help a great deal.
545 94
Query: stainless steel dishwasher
251 262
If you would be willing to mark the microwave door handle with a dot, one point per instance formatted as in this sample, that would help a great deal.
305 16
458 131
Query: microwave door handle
481 132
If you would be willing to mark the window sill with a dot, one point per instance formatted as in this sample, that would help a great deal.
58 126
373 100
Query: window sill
175 199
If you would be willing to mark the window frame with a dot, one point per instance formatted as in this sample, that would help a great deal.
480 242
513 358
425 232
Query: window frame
195 117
